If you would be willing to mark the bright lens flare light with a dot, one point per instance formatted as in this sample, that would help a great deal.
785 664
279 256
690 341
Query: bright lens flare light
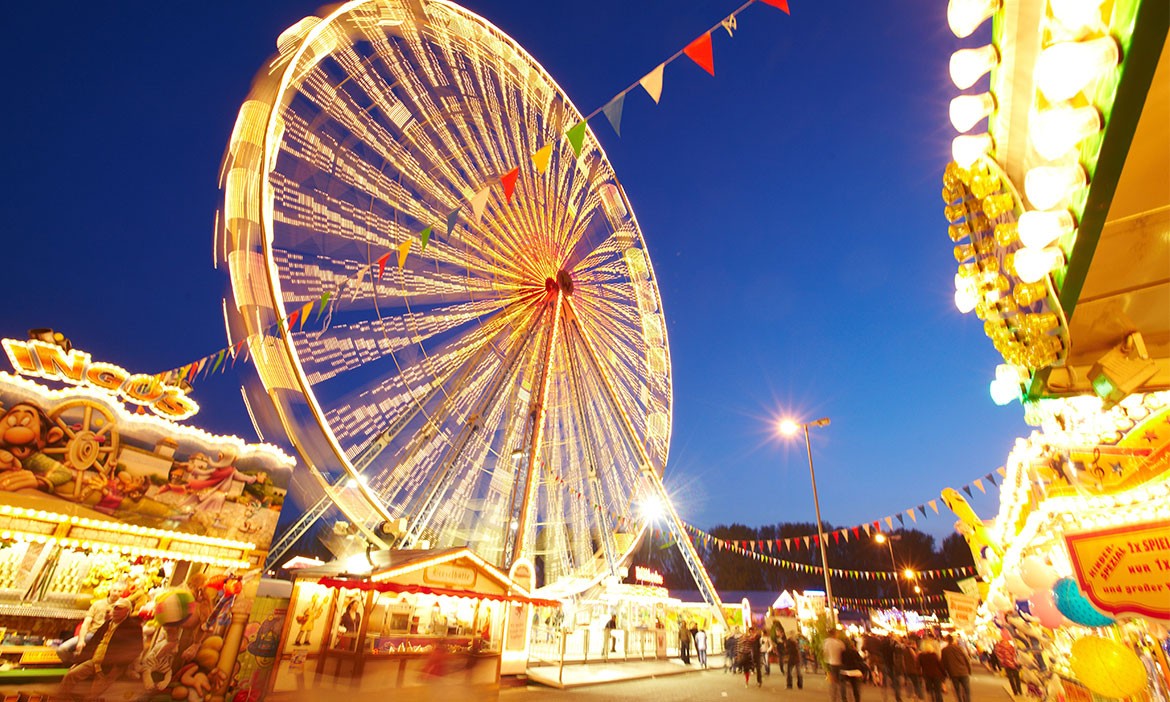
651 509
789 427
880 538
909 574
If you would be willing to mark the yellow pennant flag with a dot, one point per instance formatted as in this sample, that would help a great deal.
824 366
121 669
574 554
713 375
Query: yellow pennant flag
403 250
652 83
934 505
890 522
979 484
541 158
913 516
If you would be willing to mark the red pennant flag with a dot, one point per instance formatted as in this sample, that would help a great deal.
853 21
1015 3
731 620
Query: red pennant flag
877 526
699 51
836 537
857 532
781 5
508 180
382 264
292 319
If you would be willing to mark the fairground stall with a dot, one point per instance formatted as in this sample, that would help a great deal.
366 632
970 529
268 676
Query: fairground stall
104 507
400 621
1059 210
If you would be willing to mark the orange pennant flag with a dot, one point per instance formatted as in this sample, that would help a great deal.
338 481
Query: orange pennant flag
403 250
699 51
541 158
652 83
979 484
508 180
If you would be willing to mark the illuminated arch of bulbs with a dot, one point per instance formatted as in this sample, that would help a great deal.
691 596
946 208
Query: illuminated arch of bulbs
1013 249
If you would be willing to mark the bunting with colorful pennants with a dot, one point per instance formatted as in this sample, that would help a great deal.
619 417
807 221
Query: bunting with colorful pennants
699 50
811 541
751 549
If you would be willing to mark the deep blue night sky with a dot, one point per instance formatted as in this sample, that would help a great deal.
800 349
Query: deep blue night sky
790 205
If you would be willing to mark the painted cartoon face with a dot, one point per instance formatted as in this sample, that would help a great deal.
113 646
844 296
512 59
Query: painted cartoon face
23 431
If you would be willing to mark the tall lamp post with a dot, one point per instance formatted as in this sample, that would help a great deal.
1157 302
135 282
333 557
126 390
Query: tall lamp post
889 541
789 427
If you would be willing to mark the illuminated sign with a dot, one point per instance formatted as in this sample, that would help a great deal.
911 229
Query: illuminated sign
645 575
450 575
52 362
1125 570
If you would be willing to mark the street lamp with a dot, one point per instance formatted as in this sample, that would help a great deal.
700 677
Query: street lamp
789 427
889 541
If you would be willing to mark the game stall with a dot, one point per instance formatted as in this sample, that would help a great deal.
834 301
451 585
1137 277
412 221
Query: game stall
101 503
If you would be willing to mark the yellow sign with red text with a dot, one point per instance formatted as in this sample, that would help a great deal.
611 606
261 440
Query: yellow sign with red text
1125 570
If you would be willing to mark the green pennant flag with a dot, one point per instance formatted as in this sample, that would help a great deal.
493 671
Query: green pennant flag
219 360
426 236
576 137
324 301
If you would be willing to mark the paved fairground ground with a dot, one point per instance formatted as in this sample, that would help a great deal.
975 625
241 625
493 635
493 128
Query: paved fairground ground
715 684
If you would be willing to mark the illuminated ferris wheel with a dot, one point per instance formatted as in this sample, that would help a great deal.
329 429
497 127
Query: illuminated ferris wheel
507 387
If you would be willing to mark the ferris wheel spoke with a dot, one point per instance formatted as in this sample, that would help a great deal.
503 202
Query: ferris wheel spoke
425 510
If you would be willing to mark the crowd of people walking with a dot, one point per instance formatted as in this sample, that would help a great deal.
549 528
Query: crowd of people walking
920 667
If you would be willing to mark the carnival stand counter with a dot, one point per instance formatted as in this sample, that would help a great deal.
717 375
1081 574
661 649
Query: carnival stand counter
436 617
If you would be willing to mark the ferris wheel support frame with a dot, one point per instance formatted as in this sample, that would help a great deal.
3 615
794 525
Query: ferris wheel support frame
674 523
512 552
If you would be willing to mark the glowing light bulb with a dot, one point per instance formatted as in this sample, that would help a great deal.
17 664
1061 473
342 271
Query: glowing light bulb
1076 16
1004 392
967 110
1027 293
1057 131
969 65
1048 186
995 205
966 149
964 252
965 16
966 299
1033 264
1065 68
958 232
1039 229
1006 233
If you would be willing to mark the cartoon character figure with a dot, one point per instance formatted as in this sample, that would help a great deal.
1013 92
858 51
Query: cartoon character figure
307 620
209 483
25 431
